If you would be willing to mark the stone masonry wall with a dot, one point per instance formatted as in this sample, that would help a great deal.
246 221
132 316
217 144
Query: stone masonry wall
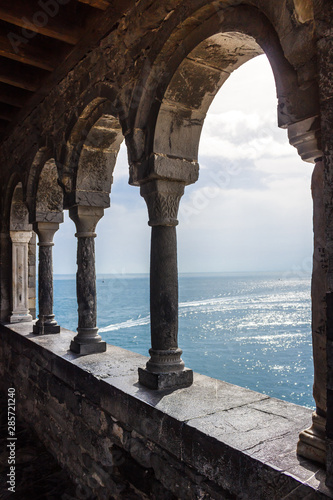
76 420
119 440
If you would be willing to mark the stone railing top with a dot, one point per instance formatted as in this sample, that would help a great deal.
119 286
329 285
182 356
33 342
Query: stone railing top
207 424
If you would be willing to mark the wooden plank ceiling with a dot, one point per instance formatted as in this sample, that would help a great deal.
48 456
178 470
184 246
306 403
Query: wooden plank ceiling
37 37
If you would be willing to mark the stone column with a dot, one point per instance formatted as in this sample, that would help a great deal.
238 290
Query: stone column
312 443
46 322
305 135
20 312
87 340
5 275
165 369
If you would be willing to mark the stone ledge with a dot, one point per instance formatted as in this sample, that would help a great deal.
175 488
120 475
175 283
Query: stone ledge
241 441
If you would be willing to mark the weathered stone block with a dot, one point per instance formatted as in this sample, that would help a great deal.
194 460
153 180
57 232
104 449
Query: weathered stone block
94 416
165 381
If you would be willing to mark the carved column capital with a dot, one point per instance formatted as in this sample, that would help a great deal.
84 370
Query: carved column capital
162 198
20 236
45 232
85 219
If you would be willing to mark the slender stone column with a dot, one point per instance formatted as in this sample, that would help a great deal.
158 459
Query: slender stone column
165 369
46 322
20 312
312 443
5 275
87 340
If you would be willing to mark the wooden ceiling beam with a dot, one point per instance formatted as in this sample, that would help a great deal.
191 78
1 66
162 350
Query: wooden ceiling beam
20 75
7 113
97 4
31 53
3 126
97 26
32 18
13 95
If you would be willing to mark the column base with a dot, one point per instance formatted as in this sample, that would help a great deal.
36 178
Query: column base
19 318
171 380
90 348
312 442
40 329
165 361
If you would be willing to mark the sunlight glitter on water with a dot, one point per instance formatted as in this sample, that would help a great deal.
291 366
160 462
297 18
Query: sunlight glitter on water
253 330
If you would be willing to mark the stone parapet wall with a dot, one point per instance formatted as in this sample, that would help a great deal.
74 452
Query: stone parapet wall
120 440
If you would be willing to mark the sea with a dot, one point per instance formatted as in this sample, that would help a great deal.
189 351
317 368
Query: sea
249 329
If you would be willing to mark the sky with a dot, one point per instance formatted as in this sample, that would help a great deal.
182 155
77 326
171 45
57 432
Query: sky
250 210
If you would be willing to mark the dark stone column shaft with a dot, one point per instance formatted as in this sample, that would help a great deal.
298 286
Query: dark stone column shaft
318 289
87 341
45 276
86 283
165 368
312 441
46 322
165 354
164 288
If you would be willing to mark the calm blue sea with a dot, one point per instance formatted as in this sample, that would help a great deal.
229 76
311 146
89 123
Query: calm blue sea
253 330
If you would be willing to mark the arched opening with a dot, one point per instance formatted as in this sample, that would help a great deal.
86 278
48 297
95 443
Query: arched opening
246 225
188 79
94 145
122 266
86 164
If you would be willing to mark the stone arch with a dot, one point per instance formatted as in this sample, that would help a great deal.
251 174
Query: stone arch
19 214
43 186
88 159
7 196
49 195
176 90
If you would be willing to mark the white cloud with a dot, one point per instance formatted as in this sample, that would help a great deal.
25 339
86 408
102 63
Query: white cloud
121 168
123 241
251 208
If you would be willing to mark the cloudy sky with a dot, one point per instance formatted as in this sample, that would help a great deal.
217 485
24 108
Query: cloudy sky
250 210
